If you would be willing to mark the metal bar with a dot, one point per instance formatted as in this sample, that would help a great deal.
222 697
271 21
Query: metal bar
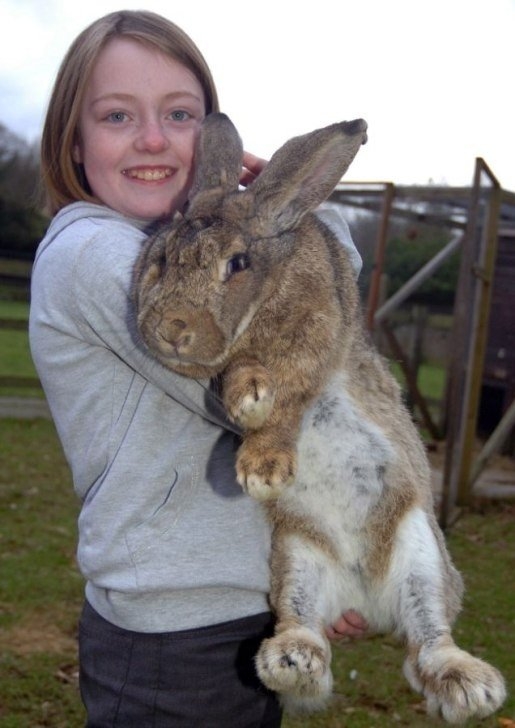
416 280
405 213
460 334
484 280
378 267
494 442
469 341
411 381
494 491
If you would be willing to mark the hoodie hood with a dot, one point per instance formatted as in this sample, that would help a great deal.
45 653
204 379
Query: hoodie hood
80 211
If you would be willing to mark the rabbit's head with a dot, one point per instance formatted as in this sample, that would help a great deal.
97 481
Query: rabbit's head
201 280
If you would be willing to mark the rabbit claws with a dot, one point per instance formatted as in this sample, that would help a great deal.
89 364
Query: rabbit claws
253 409
296 664
249 397
457 686
265 477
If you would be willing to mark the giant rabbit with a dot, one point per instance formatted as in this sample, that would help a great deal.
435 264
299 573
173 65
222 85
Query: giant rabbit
250 287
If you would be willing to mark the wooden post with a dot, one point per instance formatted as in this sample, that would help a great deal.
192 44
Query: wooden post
469 331
484 279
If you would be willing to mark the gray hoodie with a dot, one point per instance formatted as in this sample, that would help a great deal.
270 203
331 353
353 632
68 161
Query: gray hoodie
167 539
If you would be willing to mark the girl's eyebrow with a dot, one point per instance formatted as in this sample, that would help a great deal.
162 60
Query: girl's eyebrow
120 96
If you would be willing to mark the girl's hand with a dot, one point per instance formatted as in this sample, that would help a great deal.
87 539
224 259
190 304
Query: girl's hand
252 166
350 624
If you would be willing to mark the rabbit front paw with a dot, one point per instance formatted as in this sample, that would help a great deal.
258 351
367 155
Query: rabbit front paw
263 473
249 395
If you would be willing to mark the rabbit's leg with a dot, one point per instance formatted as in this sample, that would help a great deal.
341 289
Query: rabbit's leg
295 662
456 685
248 393
267 458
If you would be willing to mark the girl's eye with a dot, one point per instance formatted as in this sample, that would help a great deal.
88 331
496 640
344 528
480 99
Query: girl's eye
117 116
237 263
180 115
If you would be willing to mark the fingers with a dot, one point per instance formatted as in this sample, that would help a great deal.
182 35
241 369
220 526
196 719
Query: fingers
350 624
252 166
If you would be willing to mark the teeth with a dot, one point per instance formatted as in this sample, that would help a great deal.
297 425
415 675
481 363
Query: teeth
149 175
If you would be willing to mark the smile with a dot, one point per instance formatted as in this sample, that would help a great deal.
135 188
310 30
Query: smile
148 174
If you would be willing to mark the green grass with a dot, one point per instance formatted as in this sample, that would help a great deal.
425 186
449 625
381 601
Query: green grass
40 587
41 594
14 309
38 512
431 379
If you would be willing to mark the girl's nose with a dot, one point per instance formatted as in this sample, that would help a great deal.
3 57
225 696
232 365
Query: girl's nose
151 137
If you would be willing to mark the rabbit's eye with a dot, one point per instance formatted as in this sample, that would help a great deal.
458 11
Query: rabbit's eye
237 263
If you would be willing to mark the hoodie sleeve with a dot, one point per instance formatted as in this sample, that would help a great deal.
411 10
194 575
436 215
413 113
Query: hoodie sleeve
82 313
331 214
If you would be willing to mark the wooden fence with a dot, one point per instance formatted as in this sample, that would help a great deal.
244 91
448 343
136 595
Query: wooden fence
14 286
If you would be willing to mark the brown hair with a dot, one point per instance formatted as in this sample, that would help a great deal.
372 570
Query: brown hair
63 179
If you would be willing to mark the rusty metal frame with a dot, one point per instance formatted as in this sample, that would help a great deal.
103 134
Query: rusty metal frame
469 335
379 254
471 311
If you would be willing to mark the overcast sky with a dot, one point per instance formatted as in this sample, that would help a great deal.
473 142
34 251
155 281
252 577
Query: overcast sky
435 80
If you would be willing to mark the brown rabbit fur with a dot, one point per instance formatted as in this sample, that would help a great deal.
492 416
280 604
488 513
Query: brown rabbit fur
252 298
251 286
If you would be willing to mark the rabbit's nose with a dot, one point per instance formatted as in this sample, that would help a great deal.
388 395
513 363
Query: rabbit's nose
178 325
176 332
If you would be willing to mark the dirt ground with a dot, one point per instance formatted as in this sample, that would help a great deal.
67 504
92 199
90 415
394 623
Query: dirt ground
36 634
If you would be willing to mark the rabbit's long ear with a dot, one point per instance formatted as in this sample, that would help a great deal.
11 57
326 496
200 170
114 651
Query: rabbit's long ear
218 155
304 172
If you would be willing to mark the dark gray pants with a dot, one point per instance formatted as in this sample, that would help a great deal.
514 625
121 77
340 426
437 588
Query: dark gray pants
201 678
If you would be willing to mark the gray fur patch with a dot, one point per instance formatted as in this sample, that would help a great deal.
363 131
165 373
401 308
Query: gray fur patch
324 412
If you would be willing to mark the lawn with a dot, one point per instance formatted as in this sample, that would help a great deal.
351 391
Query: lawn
41 593
40 588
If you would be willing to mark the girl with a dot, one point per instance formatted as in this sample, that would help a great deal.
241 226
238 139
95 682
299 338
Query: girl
175 557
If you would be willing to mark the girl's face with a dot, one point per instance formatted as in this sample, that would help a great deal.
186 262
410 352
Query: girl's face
138 123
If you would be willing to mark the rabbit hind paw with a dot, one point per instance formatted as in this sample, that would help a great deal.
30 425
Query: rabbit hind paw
295 663
458 686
